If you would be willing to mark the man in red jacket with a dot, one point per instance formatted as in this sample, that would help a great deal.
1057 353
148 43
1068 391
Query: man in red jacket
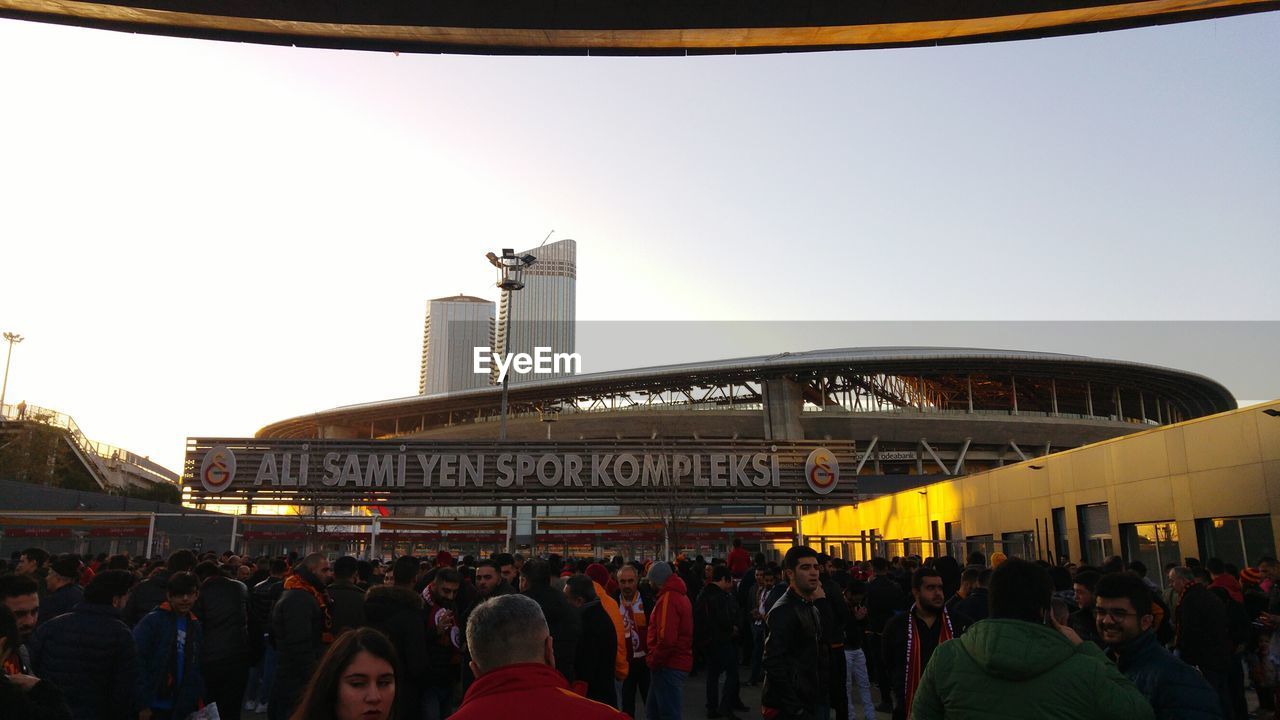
513 660
670 644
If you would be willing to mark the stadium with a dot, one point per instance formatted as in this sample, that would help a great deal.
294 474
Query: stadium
911 411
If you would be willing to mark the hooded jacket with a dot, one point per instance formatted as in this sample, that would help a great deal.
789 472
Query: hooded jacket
670 639
397 612
534 692
1003 668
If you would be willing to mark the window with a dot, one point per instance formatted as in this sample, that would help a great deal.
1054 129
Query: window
955 540
1061 539
1095 534
1239 540
1154 544
1019 544
984 544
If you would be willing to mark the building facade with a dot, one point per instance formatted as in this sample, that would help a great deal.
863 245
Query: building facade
454 326
543 313
1206 487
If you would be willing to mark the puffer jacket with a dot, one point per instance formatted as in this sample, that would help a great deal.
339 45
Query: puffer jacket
157 636
796 658
1004 668
1174 689
60 601
89 654
223 609
670 639
145 596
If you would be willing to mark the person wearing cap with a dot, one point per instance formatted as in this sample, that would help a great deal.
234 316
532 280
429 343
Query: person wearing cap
670 644
63 583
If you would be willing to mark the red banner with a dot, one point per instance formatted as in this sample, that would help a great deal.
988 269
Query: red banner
38 532
119 532
274 535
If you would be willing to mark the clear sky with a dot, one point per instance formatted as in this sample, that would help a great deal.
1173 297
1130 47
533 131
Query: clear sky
200 238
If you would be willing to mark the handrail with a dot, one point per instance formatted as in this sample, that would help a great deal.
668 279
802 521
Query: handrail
103 451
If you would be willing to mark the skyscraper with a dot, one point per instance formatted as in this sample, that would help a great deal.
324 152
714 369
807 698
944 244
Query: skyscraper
454 326
543 312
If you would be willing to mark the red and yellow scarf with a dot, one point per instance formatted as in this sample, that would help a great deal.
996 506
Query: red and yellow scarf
294 581
915 664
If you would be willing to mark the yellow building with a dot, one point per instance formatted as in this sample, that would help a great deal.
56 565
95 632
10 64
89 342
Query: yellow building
1202 488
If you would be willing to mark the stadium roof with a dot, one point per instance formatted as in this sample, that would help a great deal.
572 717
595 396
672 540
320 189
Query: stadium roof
621 27
1199 394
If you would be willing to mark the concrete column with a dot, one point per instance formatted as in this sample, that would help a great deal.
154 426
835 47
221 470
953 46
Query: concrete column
783 402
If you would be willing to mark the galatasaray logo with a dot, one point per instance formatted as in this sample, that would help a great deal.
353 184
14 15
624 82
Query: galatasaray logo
218 469
822 471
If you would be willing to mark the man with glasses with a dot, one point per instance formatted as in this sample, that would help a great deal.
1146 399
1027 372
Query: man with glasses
1126 625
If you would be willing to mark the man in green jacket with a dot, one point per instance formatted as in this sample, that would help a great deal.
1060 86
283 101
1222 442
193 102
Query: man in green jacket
1014 665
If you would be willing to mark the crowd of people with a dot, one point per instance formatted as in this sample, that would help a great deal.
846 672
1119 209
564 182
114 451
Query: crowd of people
303 638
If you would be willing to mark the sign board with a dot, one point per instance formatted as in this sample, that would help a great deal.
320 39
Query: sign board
622 472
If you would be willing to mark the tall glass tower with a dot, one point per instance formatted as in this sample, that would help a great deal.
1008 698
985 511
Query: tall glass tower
543 312
453 328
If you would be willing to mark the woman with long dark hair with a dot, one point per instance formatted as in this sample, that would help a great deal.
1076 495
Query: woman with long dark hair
355 680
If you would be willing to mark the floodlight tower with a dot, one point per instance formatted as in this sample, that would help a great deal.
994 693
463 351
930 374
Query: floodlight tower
13 338
510 279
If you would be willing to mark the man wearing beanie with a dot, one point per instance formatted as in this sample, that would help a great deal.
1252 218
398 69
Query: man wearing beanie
63 583
670 644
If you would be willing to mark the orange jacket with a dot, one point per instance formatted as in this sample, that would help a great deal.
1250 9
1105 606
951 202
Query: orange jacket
621 660
530 691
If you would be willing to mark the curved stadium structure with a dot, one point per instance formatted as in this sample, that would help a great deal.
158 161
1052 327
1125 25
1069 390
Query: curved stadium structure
928 411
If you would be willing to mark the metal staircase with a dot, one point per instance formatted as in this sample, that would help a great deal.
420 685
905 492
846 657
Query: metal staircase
112 468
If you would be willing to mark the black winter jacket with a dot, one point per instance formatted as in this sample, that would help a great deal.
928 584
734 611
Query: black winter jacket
60 601
397 613
223 609
42 702
975 606
89 654
297 628
715 618
1175 690
145 596
596 650
346 601
884 599
1203 638
894 650
564 624
796 658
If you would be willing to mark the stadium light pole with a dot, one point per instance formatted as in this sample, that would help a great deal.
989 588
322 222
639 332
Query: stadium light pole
510 279
13 338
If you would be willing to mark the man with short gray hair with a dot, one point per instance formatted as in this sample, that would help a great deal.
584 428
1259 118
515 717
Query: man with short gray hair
513 658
